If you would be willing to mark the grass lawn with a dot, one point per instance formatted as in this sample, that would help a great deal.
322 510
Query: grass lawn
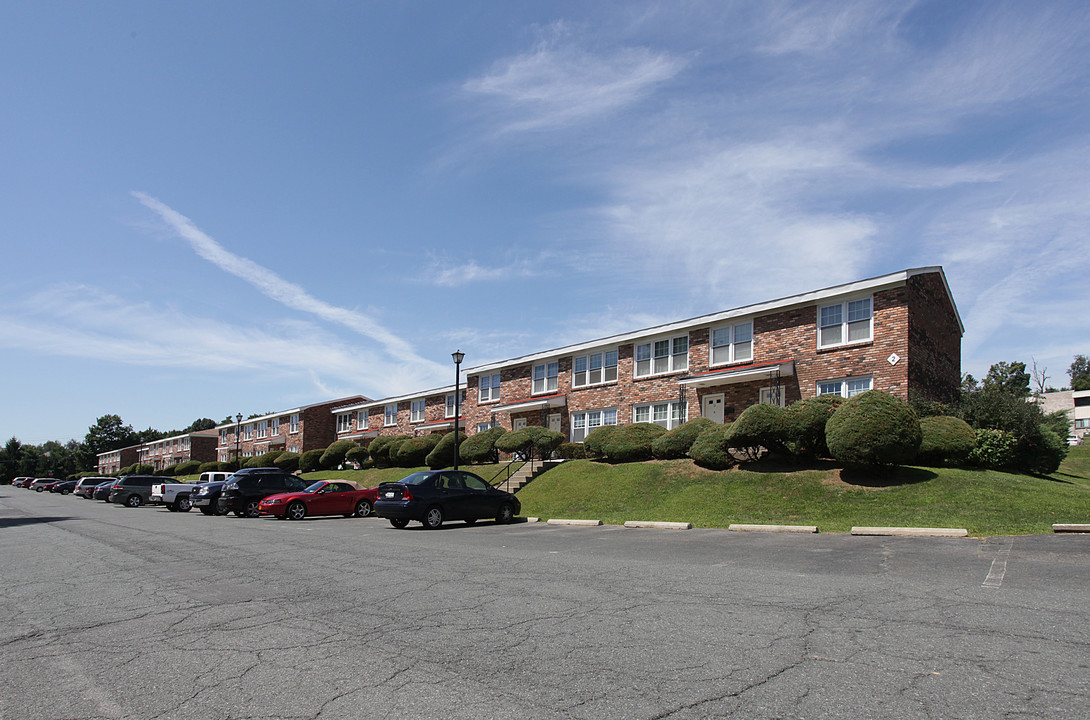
985 502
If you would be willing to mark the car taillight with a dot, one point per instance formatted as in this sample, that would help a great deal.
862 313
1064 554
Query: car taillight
406 495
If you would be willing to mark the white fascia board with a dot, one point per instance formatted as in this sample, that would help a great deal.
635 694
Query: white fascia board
858 287
390 400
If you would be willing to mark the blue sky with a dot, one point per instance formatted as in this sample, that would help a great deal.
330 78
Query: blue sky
211 208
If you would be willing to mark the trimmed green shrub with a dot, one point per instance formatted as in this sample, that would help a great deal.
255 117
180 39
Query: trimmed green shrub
267 459
288 462
805 425
164 471
481 447
442 455
230 465
946 441
412 452
534 439
209 467
993 449
710 449
632 443
571 451
383 449
759 426
1045 454
333 457
357 455
594 442
187 468
676 443
142 469
874 428
311 461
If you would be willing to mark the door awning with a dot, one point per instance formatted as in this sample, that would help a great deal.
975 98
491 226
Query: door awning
746 373
549 401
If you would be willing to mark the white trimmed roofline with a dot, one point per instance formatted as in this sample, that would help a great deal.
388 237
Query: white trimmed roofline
272 415
880 282
400 398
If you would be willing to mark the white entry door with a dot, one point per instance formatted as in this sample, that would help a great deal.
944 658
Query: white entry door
712 408
554 422
518 423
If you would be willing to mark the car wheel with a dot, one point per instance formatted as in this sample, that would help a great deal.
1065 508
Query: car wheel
296 511
363 509
38 489
134 500
206 510
433 517
64 492
220 508
252 510
183 504
172 508
399 522
506 514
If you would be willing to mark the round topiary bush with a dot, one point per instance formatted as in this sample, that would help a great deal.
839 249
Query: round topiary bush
357 455
189 467
311 461
571 451
264 460
209 467
993 449
759 426
710 449
383 449
1045 453
532 439
805 425
481 447
594 442
442 455
412 452
288 462
632 443
333 457
676 443
946 441
874 428
142 469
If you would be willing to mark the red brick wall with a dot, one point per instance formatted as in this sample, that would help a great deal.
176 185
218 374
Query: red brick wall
934 339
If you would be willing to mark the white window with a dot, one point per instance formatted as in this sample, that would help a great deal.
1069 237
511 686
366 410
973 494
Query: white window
844 323
667 414
481 427
344 422
274 428
583 422
450 402
594 368
662 356
545 377
489 388
248 432
845 387
775 395
391 415
223 436
294 425
417 413
263 429
293 448
733 343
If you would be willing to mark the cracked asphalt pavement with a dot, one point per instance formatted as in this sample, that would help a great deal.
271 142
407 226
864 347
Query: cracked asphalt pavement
113 612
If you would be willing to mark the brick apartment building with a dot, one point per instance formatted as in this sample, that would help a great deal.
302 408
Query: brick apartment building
199 446
112 461
310 427
900 333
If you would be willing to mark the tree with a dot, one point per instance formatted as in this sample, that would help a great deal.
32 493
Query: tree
1040 379
108 433
1079 372
1010 378
201 424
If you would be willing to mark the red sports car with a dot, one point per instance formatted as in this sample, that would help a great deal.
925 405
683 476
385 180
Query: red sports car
325 497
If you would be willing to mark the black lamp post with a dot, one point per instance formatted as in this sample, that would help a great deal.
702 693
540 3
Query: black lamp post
238 437
458 356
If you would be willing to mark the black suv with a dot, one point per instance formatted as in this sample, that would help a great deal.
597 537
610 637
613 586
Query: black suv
133 490
244 490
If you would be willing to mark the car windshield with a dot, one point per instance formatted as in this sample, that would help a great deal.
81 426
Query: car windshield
417 478
315 487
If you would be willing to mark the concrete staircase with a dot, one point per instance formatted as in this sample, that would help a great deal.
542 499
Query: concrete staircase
521 477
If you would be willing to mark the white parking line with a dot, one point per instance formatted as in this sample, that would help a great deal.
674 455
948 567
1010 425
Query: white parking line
999 566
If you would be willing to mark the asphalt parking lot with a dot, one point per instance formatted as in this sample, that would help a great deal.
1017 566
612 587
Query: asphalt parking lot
113 612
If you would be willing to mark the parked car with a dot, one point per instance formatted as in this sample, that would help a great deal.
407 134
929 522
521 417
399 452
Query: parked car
43 484
432 496
102 491
64 487
133 490
86 486
206 497
325 497
22 482
244 490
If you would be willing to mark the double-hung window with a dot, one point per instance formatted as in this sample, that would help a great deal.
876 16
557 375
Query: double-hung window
846 322
582 423
594 368
667 414
489 387
733 343
844 387
361 420
248 432
344 422
293 426
481 427
417 413
391 415
263 429
450 402
274 426
545 377
662 356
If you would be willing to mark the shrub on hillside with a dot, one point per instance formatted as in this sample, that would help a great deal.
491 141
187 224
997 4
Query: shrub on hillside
189 467
383 449
164 471
676 443
994 449
571 451
333 457
288 462
1045 453
805 425
1023 420
310 461
710 449
142 469
532 440
267 459
357 455
759 426
594 442
945 441
209 467
442 455
414 451
632 443
873 428
481 447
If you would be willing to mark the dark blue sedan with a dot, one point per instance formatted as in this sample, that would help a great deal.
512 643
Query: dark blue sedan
432 496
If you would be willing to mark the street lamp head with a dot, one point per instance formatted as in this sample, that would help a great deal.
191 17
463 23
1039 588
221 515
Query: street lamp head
458 356
238 418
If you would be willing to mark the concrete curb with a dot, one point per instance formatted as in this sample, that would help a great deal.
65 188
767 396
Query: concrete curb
588 523
531 519
736 527
911 532
1070 528
657 525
